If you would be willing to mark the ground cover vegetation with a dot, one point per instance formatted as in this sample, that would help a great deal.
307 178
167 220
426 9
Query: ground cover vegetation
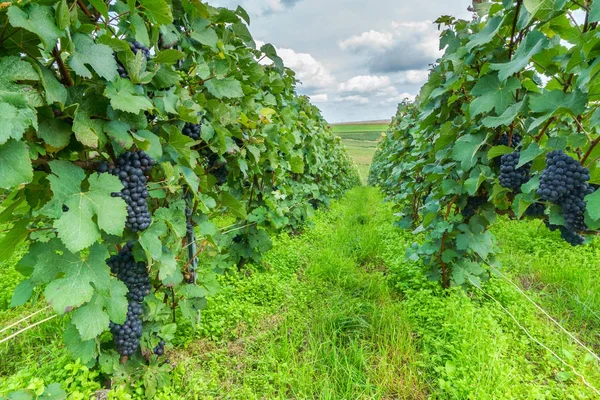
138 138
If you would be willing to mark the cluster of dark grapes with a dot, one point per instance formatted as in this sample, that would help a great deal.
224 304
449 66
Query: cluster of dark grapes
189 225
573 238
514 143
218 168
512 177
133 274
137 46
535 210
192 130
159 350
564 182
127 336
131 168
473 203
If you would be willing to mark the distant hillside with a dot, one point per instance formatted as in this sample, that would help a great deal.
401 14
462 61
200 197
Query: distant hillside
377 122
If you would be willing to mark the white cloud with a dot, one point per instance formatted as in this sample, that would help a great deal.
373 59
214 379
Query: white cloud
370 39
319 98
312 73
354 99
365 84
413 77
405 46
398 98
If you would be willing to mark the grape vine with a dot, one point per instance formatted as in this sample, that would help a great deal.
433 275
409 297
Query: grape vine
504 125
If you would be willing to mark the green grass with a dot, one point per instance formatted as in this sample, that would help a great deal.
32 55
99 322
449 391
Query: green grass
358 127
338 313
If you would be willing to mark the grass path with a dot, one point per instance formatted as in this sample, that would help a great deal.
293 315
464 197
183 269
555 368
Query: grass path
337 331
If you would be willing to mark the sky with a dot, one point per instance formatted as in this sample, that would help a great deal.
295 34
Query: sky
355 59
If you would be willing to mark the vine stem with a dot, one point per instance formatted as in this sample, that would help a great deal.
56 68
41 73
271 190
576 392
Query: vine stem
589 151
445 277
64 72
514 30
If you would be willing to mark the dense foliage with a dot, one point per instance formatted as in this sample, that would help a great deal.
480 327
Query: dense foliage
130 127
508 123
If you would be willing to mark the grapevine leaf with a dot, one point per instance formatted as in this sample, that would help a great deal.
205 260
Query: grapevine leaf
534 42
555 101
150 239
126 97
16 119
493 94
85 350
75 288
55 92
204 34
11 240
15 165
236 207
90 320
297 164
76 227
225 88
98 56
593 205
506 118
498 151
486 34
114 301
119 132
167 266
37 19
170 56
466 148
157 11
101 7
148 142
475 240
529 154
595 11
174 217
22 293
55 132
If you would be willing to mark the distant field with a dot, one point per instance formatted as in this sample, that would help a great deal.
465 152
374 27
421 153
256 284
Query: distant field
360 138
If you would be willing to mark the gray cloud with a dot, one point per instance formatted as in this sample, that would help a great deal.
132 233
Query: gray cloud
345 82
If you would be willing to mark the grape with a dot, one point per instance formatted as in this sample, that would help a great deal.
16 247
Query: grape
218 168
121 70
137 46
564 182
192 130
516 140
127 336
573 238
512 177
130 169
134 274
65 208
535 210
159 350
473 203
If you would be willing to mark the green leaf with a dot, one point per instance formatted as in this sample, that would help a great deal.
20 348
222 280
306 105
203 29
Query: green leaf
595 11
37 19
158 11
593 205
506 118
11 240
169 57
493 94
151 239
15 165
76 227
465 149
22 293
85 350
529 154
225 88
54 90
204 34
498 151
234 205
55 132
534 42
101 7
119 132
126 97
90 320
487 33
297 164
167 266
75 288
551 102
174 217
98 56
